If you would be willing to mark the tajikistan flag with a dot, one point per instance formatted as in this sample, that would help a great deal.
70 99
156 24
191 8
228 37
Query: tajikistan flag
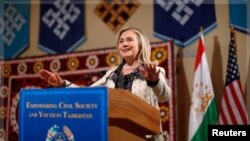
203 109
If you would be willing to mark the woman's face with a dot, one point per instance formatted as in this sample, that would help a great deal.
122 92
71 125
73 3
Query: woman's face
128 45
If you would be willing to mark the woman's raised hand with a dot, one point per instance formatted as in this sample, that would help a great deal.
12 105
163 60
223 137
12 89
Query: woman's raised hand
149 72
52 79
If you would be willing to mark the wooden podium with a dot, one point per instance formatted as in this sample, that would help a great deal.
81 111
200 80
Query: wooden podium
117 115
130 118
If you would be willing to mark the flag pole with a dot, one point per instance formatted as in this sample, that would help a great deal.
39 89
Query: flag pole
234 37
201 32
201 29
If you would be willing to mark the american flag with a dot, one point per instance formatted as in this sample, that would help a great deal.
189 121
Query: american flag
233 108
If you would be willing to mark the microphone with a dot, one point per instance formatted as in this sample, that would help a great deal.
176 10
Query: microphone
107 78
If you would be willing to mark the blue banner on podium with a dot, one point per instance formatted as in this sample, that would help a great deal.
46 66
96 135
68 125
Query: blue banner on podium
65 114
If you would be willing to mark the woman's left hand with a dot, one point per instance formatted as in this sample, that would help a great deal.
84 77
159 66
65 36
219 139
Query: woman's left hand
149 72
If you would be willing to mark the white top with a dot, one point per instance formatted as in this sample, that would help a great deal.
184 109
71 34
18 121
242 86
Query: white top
152 95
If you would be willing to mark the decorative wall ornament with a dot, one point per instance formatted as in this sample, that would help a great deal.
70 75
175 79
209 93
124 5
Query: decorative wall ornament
115 13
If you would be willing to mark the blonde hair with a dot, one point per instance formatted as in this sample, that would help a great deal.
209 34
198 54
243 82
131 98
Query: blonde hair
144 45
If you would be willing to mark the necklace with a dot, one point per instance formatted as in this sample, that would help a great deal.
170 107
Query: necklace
129 68
126 67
